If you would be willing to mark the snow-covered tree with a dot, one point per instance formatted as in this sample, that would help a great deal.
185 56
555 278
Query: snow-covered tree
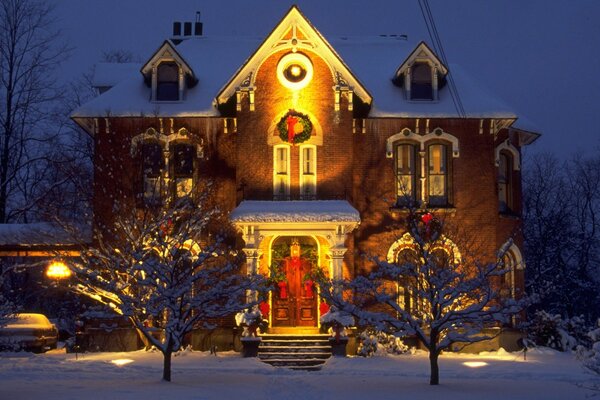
561 222
451 300
163 271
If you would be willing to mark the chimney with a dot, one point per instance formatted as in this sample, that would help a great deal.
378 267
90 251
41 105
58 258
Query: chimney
187 29
198 25
176 29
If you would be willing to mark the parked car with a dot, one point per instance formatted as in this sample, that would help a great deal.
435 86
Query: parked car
33 332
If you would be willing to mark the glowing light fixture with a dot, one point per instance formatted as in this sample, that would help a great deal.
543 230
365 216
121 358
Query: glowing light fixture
294 71
58 270
475 364
121 361
295 249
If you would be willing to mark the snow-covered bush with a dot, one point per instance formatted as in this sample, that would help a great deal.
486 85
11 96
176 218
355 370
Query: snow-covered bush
337 322
591 357
558 333
374 342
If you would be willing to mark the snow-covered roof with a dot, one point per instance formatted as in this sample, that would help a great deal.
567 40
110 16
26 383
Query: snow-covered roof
109 74
295 211
40 234
214 61
373 60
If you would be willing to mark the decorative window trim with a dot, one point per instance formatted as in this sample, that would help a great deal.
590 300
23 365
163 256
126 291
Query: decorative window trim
407 241
407 134
301 169
507 146
151 134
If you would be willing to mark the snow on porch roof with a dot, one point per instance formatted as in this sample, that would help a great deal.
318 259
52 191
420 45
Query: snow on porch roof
40 234
295 211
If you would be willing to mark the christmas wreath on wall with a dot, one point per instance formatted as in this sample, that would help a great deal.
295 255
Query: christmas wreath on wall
294 127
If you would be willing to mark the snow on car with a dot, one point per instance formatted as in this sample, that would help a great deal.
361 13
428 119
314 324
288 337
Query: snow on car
29 332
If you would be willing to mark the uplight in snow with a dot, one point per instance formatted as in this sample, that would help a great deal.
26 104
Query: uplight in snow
475 364
121 361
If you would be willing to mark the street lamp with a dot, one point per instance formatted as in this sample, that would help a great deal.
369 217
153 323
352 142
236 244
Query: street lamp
58 270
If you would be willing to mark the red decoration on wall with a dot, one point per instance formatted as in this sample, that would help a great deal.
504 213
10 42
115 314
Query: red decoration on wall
323 309
308 288
264 308
283 292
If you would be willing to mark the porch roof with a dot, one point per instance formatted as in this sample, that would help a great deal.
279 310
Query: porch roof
254 211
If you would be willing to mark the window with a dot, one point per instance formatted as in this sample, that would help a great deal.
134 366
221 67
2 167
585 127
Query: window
405 174
421 87
167 82
308 172
281 172
505 195
183 168
437 175
153 163
408 285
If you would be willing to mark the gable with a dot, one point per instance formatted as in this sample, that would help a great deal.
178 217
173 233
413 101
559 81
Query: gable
294 32
166 52
421 53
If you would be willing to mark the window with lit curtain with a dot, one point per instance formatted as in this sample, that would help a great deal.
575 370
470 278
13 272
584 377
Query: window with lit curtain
437 175
405 174
308 170
281 173
421 87
153 163
505 203
408 285
183 168
167 82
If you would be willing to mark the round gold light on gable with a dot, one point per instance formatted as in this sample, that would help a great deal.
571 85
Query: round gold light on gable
294 71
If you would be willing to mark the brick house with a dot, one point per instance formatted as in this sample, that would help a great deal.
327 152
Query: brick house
320 142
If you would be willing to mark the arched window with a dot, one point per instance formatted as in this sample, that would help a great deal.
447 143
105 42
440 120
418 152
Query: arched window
421 87
182 162
406 172
505 182
153 162
167 81
437 174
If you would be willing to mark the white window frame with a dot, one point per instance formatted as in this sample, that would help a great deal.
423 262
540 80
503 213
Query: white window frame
277 177
308 182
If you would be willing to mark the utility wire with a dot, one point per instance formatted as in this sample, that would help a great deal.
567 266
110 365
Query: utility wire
439 49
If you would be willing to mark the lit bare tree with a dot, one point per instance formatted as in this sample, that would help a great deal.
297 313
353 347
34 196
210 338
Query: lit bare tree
452 300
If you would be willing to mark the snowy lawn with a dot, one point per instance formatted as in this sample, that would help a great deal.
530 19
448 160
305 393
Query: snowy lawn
55 375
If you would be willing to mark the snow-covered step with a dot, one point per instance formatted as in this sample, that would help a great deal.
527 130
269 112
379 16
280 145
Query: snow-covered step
306 352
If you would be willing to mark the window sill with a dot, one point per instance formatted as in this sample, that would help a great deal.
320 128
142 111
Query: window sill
440 210
509 215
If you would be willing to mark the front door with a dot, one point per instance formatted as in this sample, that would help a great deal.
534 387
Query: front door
294 300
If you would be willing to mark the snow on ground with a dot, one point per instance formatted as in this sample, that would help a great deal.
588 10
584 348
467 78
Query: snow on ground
55 375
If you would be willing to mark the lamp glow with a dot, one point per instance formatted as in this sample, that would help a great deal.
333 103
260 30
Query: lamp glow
121 361
475 364
58 270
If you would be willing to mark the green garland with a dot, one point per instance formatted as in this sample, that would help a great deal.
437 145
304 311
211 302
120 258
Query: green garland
307 127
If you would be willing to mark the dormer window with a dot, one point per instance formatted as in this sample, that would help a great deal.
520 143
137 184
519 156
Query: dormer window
421 82
422 75
167 82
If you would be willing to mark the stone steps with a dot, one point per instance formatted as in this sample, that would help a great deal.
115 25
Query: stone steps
299 352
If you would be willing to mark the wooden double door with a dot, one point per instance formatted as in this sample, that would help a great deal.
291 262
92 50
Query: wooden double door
295 299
